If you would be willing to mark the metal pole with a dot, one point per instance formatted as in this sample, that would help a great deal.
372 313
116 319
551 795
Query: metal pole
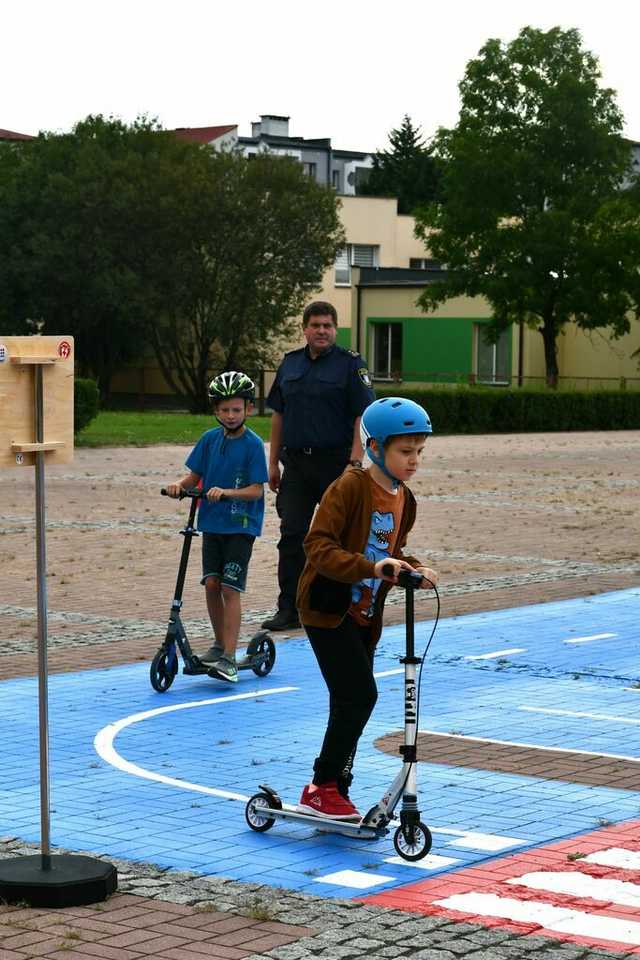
41 565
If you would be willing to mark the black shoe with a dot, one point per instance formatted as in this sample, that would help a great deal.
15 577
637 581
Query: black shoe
283 620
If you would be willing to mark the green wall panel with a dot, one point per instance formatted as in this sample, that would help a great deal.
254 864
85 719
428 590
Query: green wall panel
343 338
434 345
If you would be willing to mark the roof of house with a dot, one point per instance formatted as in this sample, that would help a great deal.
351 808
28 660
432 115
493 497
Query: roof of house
12 135
203 134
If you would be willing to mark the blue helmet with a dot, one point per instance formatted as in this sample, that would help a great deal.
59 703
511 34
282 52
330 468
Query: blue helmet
390 417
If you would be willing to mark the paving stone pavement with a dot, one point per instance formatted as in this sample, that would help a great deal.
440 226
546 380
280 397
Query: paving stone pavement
323 929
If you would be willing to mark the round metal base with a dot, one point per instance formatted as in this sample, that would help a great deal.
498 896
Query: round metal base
70 881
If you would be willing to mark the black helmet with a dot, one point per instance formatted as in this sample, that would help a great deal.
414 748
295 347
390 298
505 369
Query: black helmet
232 384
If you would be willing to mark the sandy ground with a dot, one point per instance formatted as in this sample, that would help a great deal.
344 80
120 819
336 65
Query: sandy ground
506 520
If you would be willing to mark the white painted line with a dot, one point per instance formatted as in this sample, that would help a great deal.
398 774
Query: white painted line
578 884
616 857
103 742
357 879
496 653
579 713
488 842
558 919
530 746
431 862
595 636
389 673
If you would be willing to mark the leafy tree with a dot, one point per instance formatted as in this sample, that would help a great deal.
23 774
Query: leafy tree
533 216
127 237
253 240
406 171
67 234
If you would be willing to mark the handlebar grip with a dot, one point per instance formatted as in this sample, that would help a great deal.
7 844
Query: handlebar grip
409 579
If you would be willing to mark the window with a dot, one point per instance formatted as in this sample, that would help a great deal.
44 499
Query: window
386 343
424 263
335 180
310 169
354 255
493 363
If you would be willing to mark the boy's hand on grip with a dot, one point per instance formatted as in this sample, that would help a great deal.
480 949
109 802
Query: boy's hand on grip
389 568
173 490
429 578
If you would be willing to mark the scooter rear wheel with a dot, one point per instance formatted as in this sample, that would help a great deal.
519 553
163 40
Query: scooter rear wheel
255 818
418 847
263 646
162 670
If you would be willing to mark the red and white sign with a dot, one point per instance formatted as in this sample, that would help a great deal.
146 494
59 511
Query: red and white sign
64 349
585 890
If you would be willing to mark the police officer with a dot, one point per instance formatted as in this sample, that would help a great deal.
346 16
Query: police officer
317 399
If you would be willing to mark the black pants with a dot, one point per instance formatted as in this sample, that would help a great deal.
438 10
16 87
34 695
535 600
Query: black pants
304 480
346 661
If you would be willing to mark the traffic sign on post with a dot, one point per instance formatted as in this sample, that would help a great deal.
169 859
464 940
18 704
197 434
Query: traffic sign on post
36 422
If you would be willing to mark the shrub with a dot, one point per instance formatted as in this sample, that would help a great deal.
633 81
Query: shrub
86 401
498 410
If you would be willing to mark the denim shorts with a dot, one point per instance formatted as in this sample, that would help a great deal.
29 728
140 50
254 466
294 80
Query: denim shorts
226 556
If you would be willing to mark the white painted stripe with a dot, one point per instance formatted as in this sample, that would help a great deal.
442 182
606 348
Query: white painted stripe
578 713
357 879
558 919
103 742
489 842
578 884
530 746
615 857
496 653
595 636
431 862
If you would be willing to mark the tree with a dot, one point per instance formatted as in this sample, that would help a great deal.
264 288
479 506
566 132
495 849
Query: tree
252 242
67 234
406 171
532 215
127 237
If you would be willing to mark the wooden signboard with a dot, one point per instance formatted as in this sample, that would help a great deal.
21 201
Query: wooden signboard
19 359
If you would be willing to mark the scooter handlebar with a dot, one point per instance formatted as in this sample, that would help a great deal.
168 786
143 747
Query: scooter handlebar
409 579
194 494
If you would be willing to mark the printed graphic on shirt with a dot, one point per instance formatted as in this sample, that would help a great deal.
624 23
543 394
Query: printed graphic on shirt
363 593
238 512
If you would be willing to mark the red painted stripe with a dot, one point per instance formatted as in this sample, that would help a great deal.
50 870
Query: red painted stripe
489 877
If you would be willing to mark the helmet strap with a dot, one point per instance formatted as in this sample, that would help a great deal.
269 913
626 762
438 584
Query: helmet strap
377 457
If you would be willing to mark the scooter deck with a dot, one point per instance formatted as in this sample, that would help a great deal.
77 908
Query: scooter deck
350 828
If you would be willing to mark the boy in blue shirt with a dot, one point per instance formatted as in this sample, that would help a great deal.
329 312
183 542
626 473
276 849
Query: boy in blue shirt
230 460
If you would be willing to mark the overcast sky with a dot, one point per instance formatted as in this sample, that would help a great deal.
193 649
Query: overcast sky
345 70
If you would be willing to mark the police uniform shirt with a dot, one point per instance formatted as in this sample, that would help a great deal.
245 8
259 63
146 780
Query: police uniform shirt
320 399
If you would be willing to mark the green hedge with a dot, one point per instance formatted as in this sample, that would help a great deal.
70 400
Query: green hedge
499 410
86 401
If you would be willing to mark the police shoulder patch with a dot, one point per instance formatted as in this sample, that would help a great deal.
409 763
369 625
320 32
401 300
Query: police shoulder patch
363 373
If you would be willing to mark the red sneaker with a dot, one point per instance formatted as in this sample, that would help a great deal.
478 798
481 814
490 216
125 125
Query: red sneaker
327 802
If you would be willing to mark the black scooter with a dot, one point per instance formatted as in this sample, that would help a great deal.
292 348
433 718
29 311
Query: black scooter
260 654
412 839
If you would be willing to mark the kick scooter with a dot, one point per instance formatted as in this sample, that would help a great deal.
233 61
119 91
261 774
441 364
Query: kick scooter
260 654
412 839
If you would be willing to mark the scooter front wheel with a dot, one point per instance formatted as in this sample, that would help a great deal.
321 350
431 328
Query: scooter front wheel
163 669
415 848
263 648
254 816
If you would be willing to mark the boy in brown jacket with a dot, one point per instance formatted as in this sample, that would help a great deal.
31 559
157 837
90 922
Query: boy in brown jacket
360 527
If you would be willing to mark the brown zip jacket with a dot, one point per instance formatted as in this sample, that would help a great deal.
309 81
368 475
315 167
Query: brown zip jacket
335 552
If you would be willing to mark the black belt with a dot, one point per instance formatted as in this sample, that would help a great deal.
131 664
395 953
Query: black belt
318 451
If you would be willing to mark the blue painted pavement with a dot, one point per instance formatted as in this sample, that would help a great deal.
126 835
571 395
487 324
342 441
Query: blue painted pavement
165 800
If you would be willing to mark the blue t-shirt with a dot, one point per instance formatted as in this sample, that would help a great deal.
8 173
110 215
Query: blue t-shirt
230 463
